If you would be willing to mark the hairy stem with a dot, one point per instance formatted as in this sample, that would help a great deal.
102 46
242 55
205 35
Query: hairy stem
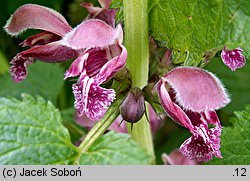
137 44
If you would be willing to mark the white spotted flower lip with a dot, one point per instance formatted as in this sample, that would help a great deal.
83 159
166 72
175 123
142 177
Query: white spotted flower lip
96 42
190 97
95 67
233 58
103 56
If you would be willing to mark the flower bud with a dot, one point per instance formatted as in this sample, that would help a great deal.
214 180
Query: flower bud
233 58
133 107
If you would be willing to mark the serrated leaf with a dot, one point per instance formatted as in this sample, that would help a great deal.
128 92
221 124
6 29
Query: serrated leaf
236 24
194 27
235 141
76 131
114 149
43 79
237 84
32 133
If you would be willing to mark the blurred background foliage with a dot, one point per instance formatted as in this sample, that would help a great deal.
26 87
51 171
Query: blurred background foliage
47 79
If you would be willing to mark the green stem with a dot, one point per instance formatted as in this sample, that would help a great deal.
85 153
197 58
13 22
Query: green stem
100 127
136 41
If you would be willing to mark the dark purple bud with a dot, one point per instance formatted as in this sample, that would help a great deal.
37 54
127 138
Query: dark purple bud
133 107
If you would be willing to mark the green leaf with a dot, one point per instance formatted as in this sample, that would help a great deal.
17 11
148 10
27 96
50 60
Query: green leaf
4 66
235 141
237 84
43 79
194 29
118 4
114 149
236 24
32 133
76 131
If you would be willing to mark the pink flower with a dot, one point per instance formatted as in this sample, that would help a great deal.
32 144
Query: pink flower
176 158
190 96
45 46
103 56
156 120
103 13
96 44
233 58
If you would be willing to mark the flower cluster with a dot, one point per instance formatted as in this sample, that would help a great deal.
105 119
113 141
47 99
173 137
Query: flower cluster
96 43
189 95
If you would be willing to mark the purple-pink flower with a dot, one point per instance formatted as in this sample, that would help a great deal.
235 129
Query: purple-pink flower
190 97
103 13
45 46
103 56
233 58
176 158
96 43
96 66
